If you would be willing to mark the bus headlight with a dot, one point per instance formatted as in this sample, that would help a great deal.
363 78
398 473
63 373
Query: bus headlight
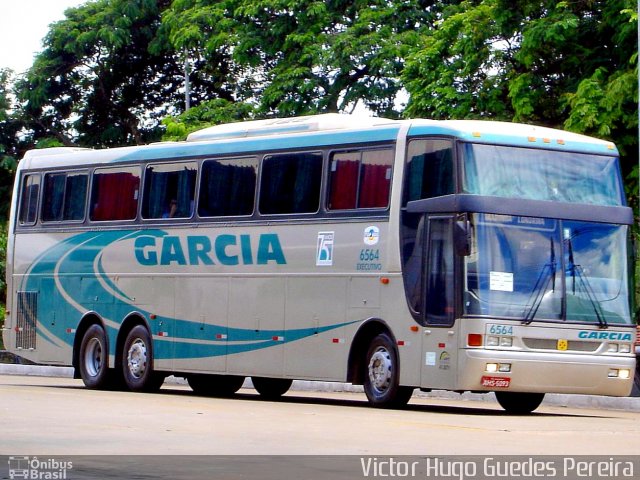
612 348
625 348
492 341
491 367
623 373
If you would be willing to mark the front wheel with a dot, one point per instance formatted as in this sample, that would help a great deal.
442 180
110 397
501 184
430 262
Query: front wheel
137 362
519 403
382 375
93 359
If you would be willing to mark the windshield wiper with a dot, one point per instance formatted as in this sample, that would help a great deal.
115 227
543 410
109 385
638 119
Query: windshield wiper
547 275
578 271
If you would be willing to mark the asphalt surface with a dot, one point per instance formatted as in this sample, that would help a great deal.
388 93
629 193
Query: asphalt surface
574 401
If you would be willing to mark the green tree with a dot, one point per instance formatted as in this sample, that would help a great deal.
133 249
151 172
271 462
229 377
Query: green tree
103 78
211 112
295 57
562 64
9 143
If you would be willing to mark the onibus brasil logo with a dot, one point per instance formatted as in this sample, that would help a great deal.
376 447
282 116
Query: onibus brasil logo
34 468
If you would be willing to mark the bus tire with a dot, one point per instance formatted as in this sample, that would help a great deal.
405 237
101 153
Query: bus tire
271 388
137 362
215 385
382 375
93 358
519 403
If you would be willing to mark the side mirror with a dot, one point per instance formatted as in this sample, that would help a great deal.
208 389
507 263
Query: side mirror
462 237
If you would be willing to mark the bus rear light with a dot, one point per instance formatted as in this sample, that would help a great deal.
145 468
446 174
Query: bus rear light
474 340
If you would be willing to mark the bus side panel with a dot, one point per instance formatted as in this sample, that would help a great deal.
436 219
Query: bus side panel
313 303
206 301
256 340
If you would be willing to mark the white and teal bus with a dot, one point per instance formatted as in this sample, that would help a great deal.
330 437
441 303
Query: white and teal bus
455 255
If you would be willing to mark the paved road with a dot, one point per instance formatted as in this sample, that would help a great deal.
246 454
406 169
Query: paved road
58 416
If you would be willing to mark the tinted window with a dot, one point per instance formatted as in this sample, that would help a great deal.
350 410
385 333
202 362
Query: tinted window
65 195
228 187
290 183
429 171
169 190
29 200
360 179
114 194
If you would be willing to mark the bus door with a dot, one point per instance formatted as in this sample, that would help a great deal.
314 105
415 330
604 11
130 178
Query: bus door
439 339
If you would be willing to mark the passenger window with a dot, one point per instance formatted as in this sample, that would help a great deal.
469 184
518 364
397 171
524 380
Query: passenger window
290 183
228 187
115 193
430 171
64 196
169 190
29 200
360 179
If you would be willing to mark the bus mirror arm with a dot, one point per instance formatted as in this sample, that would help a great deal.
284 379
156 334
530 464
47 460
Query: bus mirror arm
462 237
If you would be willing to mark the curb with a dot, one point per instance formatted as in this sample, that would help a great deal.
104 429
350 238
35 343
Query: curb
631 404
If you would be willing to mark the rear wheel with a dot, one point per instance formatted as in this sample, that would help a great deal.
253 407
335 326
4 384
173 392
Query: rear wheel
271 388
519 403
215 385
93 359
382 375
137 362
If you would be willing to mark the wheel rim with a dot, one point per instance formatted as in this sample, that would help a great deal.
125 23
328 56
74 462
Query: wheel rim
380 370
137 358
93 358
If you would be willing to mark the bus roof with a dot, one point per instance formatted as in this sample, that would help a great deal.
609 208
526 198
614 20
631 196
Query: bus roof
316 131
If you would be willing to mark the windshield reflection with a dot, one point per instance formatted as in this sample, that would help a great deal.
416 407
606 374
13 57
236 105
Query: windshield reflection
541 269
537 174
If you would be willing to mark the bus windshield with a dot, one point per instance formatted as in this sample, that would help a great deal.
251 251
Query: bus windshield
537 174
542 269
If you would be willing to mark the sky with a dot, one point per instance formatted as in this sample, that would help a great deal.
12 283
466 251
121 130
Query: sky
23 25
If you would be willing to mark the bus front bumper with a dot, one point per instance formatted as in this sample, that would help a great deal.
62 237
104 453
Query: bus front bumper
545 372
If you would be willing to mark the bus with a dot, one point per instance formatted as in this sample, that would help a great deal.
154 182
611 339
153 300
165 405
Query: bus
394 254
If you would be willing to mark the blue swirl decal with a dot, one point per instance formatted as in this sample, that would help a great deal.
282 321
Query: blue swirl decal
71 280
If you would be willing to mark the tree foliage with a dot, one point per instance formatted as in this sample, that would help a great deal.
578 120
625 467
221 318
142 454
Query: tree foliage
9 142
569 65
98 81
211 112
296 57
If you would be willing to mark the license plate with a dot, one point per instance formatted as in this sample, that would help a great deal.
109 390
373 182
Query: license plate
495 382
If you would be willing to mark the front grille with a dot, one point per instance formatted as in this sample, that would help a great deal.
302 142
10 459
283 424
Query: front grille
551 344
27 317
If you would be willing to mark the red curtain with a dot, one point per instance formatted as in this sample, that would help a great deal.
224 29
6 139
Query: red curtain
344 185
117 196
374 186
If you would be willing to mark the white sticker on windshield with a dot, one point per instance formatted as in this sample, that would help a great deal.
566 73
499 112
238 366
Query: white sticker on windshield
501 281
